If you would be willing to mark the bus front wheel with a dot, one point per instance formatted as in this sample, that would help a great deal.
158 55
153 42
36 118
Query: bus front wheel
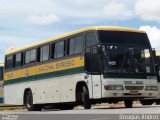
128 103
85 98
29 103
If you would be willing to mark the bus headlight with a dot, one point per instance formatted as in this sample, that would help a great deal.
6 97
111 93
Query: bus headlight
151 88
113 87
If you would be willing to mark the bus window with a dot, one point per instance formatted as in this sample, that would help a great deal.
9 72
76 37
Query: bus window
30 56
9 62
27 57
76 45
71 46
44 55
79 44
91 39
18 59
33 56
59 49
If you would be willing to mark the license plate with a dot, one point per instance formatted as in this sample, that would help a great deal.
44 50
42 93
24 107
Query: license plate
134 92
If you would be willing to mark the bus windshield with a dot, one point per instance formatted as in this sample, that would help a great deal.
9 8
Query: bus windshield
124 52
126 59
122 37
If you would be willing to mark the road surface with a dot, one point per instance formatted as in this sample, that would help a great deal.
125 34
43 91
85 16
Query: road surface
96 113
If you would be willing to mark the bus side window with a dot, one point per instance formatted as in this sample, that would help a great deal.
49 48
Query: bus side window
9 62
27 57
76 45
44 53
31 56
91 39
59 49
79 44
72 46
18 59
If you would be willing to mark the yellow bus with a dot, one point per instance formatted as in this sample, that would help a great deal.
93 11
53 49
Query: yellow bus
84 67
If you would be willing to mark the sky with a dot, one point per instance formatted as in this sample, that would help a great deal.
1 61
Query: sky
23 22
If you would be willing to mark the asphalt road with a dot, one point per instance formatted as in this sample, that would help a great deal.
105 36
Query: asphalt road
154 109
96 113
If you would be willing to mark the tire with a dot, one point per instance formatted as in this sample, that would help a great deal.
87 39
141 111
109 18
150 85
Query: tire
128 104
29 103
85 98
146 102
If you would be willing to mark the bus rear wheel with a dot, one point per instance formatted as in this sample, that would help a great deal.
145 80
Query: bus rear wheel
128 103
85 98
29 103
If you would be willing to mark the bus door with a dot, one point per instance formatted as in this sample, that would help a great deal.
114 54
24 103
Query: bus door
93 66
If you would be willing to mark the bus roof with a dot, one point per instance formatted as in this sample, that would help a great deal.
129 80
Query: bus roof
109 28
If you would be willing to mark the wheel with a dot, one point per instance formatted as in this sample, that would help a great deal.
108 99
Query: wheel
85 98
128 104
29 103
146 102
66 107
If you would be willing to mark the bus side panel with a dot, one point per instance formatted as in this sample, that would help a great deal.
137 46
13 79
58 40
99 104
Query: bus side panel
68 86
51 90
43 91
13 94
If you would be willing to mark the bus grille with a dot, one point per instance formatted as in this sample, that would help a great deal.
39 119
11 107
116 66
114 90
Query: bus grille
134 87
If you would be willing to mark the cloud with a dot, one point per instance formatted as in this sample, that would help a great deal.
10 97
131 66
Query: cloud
43 19
148 10
153 34
13 42
118 11
65 8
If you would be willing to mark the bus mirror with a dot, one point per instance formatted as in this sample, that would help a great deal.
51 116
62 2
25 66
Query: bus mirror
153 51
154 55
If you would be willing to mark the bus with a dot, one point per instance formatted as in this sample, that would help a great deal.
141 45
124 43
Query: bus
1 83
87 66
